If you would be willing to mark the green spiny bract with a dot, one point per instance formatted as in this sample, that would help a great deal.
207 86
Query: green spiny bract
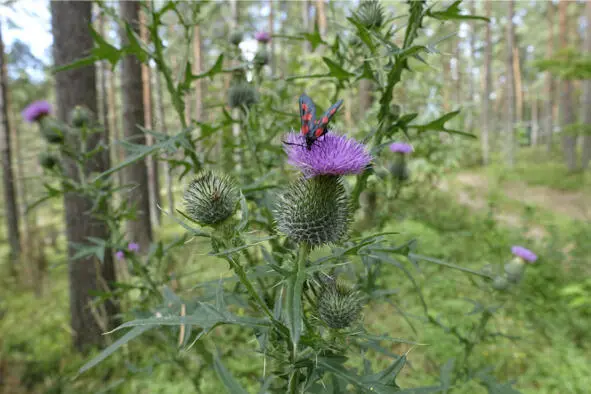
500 283
80 116
210 199
338 305
514 270
48 160
371 14
235 38
399 169
314 211
52 130
261 58
242 95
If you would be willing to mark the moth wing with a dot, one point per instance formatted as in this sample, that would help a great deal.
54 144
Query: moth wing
307 113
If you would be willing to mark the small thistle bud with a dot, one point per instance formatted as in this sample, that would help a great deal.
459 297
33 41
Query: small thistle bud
371 14
514 270
338 305
52 130
261 58
80 116
235 38
314 211
210 199
500 283
48 160
399 170
242 95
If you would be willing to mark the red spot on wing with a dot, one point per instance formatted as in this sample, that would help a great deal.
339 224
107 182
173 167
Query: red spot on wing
307 117
325 120
332 111
318 132
305 129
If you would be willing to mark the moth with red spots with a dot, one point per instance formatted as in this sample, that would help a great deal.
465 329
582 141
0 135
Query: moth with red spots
313 128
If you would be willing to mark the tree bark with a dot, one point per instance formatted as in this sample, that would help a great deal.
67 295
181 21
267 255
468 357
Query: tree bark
198 68
10 205
71 41
272 43
321 17
518 82
151 161
567 114
104 99
549 110
469 124
163 128
306 22
487 90
535 125
586 99
510 104
140 229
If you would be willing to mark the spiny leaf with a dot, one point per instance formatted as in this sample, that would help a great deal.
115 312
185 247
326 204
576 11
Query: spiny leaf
226 377
453 12
336 70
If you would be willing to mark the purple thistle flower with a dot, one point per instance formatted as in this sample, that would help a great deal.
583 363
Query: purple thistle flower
133 247
120 255
36 110
262 37
524 253
401 147
330 155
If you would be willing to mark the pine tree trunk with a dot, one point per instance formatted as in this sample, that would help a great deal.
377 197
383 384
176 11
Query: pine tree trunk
484 138
71 41
198 68
549 108
114 120
306 22
586 99
567 114
151 162
10 205
518 83
321 17
140 229
163 128
535 125
272 43
469 124
104 99
510 82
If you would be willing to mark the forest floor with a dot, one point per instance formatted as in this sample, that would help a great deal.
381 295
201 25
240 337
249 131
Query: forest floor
478 190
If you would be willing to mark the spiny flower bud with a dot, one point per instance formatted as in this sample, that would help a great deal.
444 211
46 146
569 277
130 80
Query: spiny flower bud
500 283
52 130
399 170
371 14
338 305
261 58
80 116
210 198
235 38
242 95
48 160
314 211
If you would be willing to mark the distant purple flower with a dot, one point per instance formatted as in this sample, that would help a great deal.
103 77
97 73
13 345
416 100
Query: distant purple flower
262 37
330 155
133 247
524 253
36 110
401 147
120 255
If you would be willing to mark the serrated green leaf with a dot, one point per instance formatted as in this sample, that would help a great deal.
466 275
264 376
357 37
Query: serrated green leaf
131 334
453 12
226 377
439 125
336 70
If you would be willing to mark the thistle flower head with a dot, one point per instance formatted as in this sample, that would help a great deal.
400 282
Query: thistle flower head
119 255
210 199
371 14
242 95
314 211
133 247
338 305
401 147
262 36
329 155
514 270
523 253
36 110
